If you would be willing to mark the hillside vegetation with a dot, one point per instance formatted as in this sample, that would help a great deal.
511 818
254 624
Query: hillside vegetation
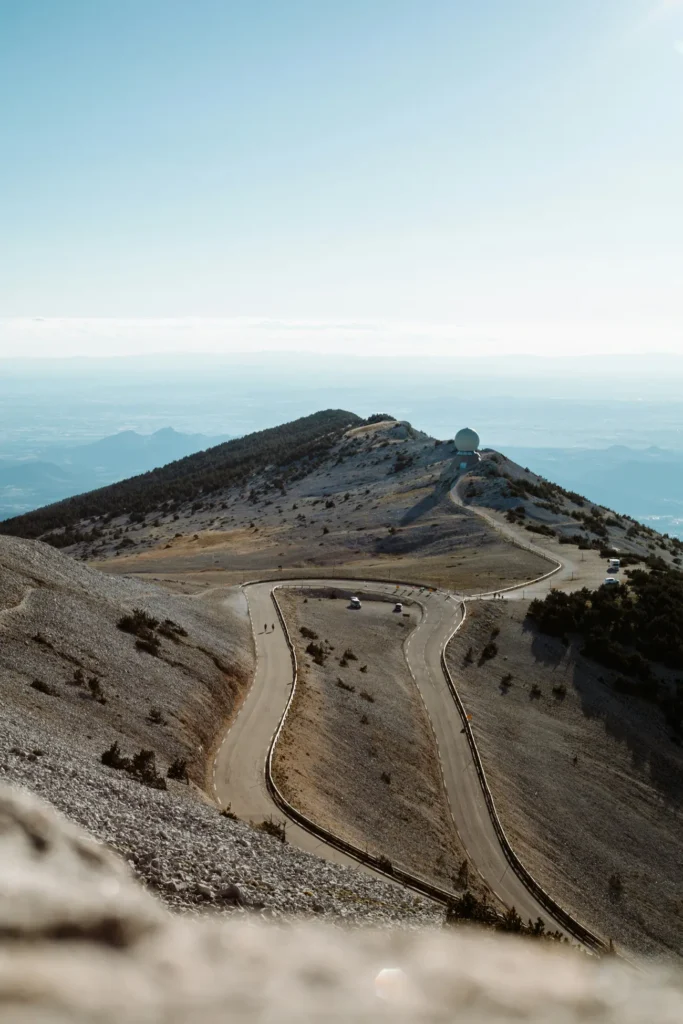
631 629
304 441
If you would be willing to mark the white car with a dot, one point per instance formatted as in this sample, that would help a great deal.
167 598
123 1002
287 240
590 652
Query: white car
355 602
398 607
611 582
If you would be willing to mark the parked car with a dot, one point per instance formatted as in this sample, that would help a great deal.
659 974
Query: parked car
611 582
354 602
398 607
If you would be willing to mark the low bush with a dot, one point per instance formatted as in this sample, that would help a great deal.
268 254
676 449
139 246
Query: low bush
317 652
308 634
367 696
142 766
150 645
277 829
139 623
471 908
178 770
42 687
489 652
171 630
615 885
345 686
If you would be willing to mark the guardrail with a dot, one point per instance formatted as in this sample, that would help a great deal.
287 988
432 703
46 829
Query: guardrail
396 874
577 930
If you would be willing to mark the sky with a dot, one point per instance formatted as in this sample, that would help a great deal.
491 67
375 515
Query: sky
416 175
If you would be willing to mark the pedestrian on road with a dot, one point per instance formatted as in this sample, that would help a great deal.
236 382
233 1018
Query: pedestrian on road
272 628
265 627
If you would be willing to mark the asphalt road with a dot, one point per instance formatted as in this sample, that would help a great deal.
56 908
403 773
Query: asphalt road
239 769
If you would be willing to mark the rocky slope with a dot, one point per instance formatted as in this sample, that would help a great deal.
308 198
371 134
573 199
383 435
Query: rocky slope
169 682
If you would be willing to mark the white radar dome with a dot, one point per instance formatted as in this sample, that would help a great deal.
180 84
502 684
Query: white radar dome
467 440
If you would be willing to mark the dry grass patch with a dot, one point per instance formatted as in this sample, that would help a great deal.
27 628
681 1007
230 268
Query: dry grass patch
358 753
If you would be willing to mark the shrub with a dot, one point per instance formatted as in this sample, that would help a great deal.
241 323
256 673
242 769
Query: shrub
464 874
349 655
506 681
364 719
615 885
113 758
386 777
178 770
78 678
150 645
490 651
308 634
42 687
469 657
345 686
535 692
139 623
156 716
367 696
96 690
560 691
227 812
317 652
277 829
171 630
143 768
384 864
363 668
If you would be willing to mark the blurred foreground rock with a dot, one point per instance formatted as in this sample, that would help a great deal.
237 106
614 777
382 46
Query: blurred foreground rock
80 941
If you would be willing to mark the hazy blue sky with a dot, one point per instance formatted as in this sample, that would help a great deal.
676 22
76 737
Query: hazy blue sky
442 170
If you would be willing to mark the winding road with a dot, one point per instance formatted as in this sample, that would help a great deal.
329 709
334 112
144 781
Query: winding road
240 773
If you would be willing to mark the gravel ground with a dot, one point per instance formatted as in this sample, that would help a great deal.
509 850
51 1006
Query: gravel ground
186 852
617 810
367 769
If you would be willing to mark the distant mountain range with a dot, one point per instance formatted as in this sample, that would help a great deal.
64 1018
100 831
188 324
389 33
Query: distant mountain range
60 471
195 475
644 483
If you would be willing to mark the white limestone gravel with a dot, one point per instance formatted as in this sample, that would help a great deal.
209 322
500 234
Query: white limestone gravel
187 852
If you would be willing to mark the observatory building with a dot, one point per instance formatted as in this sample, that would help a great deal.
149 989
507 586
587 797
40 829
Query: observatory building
466 448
